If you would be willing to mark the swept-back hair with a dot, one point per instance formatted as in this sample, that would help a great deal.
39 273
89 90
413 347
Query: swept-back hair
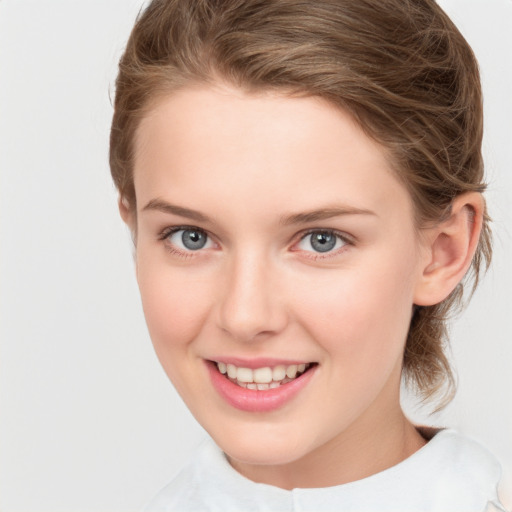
399 67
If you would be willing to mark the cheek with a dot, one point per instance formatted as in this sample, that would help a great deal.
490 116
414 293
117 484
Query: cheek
175 304
361 315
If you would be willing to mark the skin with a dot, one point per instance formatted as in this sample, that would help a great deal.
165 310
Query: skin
259 289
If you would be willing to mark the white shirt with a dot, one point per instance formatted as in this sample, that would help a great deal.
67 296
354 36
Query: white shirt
451 473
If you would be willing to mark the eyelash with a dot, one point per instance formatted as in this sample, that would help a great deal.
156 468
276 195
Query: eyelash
347 241
167 232
315 256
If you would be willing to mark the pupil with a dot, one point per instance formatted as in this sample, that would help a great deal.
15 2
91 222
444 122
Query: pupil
323 242
193 240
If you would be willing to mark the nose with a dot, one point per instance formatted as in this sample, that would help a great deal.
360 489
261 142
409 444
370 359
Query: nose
251 303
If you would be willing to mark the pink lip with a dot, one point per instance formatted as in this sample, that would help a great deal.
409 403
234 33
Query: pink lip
253 400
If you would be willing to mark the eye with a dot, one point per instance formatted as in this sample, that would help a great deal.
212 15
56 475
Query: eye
321 241
189 239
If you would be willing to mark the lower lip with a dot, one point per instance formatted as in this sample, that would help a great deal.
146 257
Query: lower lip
254 400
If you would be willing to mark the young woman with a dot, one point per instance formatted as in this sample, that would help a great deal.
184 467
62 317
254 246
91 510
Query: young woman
303 181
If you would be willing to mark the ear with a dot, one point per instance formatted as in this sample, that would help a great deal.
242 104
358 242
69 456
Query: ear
449 248
128 216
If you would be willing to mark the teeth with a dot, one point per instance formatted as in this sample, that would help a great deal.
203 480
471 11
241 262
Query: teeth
279 372
263 375
244 375
291 371
262 378
231 371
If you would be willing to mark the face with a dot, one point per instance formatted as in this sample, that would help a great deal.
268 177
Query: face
274 243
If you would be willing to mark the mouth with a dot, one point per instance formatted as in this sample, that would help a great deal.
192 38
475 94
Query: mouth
263 378
260 389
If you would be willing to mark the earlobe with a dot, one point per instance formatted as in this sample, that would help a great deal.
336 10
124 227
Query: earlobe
124 209
449 249
126 212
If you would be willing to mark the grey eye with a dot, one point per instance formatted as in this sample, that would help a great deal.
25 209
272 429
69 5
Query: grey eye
190 239
321 241
193 240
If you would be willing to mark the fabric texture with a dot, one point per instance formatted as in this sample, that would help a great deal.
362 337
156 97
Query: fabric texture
451 473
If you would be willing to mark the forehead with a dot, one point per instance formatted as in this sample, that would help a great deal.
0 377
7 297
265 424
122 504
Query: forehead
261 149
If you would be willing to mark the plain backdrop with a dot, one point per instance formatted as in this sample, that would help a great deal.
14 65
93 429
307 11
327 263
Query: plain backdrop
88 420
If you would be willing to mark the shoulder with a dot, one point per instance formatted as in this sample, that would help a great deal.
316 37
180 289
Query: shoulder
466 457
459 472
186 491
208 482
450 473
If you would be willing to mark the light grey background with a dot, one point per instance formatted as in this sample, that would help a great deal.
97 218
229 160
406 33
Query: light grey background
88 421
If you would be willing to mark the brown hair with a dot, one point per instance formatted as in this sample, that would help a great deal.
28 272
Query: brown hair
400 67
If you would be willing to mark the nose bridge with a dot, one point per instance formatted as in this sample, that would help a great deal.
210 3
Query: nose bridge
249 304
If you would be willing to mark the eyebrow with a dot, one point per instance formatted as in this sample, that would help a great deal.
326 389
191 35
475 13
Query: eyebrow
165 207
322 214
286 220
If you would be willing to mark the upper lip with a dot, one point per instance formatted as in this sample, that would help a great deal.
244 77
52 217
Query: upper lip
258 362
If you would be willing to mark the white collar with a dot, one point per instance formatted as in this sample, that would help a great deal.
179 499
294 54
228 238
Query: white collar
451 473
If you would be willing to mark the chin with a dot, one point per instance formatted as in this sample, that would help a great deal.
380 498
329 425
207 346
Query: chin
267 448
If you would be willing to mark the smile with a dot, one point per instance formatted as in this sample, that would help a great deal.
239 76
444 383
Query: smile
264 378
260 389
